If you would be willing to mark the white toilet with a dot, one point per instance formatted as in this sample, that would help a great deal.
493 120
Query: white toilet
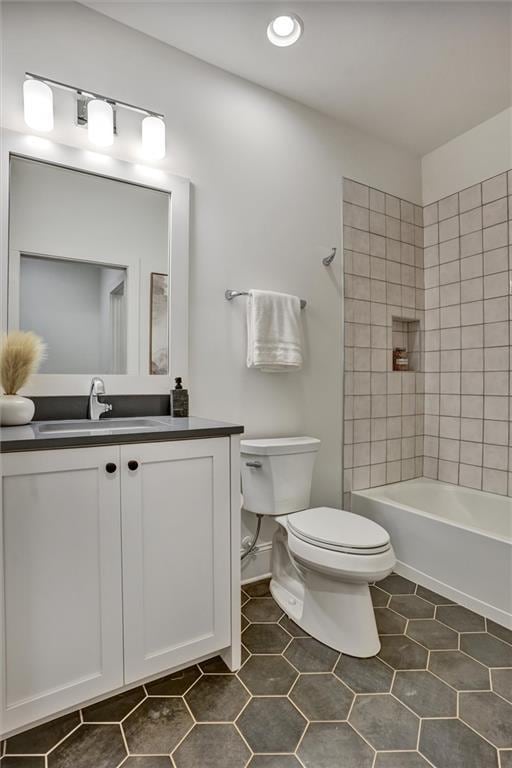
323 559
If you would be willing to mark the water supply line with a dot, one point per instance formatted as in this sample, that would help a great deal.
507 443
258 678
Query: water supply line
252 544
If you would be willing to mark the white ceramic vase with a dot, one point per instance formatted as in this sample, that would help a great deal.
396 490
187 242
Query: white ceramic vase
15 410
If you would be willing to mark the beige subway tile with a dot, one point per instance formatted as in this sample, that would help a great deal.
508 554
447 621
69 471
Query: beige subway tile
495 237
494 188
470 476
470 198
449 229
471 221
495 213
377 201
448 207
354 192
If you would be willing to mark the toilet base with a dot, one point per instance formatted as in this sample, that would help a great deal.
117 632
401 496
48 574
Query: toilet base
337 613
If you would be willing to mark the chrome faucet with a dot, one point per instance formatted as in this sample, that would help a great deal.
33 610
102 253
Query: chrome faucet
95 407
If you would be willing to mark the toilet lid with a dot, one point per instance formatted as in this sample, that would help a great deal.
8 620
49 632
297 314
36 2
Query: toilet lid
338 529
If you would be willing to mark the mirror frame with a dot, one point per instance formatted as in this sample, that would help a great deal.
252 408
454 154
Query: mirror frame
178 188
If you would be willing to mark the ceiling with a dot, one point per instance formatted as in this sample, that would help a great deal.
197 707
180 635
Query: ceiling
413 73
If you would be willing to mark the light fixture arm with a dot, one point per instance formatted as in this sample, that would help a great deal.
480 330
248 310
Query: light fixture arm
88 95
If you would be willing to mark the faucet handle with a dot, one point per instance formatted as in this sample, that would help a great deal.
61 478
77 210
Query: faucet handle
97 386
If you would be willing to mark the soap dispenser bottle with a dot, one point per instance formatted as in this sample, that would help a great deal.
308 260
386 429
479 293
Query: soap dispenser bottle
179 400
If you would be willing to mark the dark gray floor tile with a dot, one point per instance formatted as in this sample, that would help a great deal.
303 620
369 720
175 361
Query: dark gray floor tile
425 694
22 762
101 746
432 597
174 684
389 622
506 759
155 761
217 698
488 714
292 628
308 655
397 585
265 638
244 654
262 609
37 741
384 722
212 746
322 697
332 745
379 598
459 618
271 724
214 665
258 588
459 670
243 597
487 649
243 623
412 607
364 675
502 682
116 708
451 744
268 675
498 631
157 726
274 761
432 634
401 652
401 760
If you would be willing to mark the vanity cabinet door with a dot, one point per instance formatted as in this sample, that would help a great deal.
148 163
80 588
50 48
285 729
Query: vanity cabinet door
60 581
176 553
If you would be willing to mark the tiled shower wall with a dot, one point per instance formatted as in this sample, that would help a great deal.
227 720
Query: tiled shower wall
450 419
467 337
383 277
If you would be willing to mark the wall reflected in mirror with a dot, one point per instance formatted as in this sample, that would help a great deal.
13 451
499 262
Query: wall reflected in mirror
88 269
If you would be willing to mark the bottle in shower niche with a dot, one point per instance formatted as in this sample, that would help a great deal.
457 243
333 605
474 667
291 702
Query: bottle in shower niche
179 399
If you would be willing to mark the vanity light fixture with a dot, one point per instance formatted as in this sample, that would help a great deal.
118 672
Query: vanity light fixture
38 105
153 137
100 123
93 110
285 30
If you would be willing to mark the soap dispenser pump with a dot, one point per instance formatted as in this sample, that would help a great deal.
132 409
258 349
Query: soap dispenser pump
179 399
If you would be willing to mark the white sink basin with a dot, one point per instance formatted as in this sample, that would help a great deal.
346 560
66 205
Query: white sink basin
102 427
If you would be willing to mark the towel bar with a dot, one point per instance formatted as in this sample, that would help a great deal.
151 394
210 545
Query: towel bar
230 294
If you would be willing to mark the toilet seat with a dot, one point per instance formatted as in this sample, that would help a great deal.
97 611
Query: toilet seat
338 530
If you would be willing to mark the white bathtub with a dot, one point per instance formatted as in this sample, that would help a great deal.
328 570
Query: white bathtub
453 540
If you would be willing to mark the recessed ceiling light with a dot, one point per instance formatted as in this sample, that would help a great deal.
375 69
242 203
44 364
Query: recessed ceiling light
285 30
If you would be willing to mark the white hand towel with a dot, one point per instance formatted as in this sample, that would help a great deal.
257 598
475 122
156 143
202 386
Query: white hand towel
273 332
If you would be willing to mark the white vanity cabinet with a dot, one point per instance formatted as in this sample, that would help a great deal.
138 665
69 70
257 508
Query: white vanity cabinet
176 553
112 574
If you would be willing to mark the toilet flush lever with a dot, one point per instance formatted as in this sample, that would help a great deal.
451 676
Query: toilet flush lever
253 464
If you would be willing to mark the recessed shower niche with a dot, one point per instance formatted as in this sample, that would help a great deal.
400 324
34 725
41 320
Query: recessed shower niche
406 344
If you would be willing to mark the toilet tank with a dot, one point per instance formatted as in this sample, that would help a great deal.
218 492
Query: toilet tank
277 474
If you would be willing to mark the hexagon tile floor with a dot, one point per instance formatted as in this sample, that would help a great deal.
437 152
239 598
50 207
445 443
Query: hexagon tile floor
438 694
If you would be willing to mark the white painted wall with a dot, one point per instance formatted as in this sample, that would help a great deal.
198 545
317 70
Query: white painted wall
478 154
266 201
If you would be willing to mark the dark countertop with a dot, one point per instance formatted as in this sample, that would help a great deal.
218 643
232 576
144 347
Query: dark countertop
32 437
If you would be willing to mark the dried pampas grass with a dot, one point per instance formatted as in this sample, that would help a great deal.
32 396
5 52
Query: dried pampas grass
20 355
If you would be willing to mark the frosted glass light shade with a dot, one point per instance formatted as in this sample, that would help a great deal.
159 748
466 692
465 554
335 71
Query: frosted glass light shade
100 123
153 137
38 105
285 30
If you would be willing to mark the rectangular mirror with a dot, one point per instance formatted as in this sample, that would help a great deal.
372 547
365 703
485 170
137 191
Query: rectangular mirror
89 269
